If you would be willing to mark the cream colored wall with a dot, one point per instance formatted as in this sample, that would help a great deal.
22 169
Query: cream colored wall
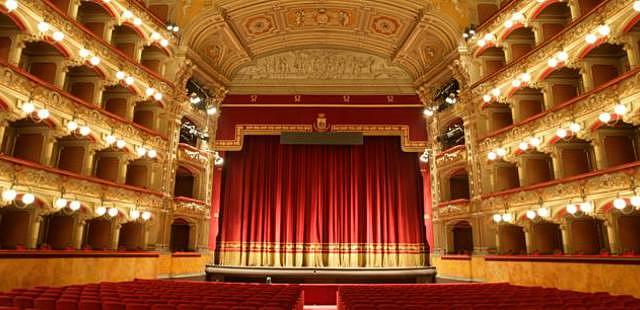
30 272
583 277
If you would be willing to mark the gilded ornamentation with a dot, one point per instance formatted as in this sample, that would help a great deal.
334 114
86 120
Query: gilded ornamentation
385 25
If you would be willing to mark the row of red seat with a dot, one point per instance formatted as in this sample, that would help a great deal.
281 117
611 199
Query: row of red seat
156 295
475 296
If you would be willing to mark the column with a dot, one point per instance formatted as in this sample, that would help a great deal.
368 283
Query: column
427 205
566 237
613 233
78 233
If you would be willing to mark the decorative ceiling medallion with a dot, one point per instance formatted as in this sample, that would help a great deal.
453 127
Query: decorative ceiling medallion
259 25
297 18
385 25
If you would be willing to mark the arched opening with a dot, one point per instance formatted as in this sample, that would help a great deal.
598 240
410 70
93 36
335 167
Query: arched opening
493 59
520 42
57 231
587 6
185 183
132 237
511 240
498 116
146 114
576 157
118 100
605 63
14 228
153 58
94 17
180 236
553 19
618 144
462 238
44 61
506 176
26 139
8 33
138 173
629 233
537 167
588 236
563 85
98 234
70 153
83 83
527 102
127 40
459 185
546 238
188 132
452 135
108 165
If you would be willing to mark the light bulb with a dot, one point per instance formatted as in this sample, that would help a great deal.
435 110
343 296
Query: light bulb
43 26
58 36
218 161
620 109
543 212
176 28
9 195
101 210
141 151
43 114
60 203
214 110
13 4
134 214
152 153
604 117
149 91
28 107
635 200
586 207
113 211
121 144
155 36
85 131
481 42
572 208
636 6
562 133
575 127
517 16
501 152
486 98
562 56
523 146
535 141
525 77
489 37
129 80
497 218
120 75
126 14
146 215
492 156
531 214
137 21
72 125
495 92
508 23
110 139
164 42
74 205
95 60
552 63
516 83
591 38
507 217
619 203
604 30
28 198
157 96
84 53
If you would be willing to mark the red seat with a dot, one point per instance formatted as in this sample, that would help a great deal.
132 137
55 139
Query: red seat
89 305
163 307
23 302
45 303
66 304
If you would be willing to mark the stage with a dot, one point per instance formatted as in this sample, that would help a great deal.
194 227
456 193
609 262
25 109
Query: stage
218 273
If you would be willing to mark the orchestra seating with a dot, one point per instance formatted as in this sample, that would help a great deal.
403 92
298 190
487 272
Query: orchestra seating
475 296
156 295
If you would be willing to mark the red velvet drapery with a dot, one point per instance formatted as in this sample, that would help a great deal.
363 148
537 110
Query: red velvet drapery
322 205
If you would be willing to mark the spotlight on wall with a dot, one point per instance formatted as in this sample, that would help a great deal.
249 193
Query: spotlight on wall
11 5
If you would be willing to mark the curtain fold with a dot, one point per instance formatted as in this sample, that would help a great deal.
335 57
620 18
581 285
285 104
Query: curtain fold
322 205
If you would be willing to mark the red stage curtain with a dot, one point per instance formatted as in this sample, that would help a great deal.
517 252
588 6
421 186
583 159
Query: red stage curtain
322 205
